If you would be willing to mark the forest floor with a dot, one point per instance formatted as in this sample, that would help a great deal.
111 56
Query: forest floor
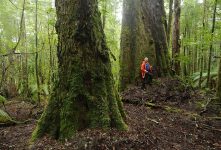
169 115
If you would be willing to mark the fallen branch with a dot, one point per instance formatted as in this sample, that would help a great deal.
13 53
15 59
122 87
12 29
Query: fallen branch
14 5
153 120
148 104
205 107
214 118
14 122
204 126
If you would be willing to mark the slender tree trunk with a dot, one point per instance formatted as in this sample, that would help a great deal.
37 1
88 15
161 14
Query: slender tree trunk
218 91
50 59
104 8
84 95
169 21
24 57
176 37
203 45
36 55
211 44
185 51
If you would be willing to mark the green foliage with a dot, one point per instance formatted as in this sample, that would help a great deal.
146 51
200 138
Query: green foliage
110 10
196 78
22 71
2 99
4 117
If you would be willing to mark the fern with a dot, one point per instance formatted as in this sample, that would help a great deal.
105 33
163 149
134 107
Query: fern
196 78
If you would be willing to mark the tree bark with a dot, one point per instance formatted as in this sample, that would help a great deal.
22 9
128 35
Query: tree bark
25 86
203 45
84 95
218 91
176 37
104 14
169 21
36 55
155 22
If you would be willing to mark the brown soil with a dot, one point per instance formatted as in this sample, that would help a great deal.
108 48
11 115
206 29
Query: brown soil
178 127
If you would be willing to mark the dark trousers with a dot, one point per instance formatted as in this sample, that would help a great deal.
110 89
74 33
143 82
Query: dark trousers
147 80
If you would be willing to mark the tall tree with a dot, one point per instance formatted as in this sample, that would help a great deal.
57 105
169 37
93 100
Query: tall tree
170 17
155 21
24 58
36 51
143 35
218 90
211 43
136 43
84 95
203 44
176 37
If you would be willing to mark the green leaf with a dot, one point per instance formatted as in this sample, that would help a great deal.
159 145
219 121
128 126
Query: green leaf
2 99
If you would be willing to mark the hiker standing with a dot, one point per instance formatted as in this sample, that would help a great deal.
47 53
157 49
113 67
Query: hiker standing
144 72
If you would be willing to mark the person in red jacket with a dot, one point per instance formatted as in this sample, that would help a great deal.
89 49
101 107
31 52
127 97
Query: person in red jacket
144 72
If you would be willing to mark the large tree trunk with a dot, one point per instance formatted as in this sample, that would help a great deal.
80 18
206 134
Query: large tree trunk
176 37
84 95
143 35
155 22
136 43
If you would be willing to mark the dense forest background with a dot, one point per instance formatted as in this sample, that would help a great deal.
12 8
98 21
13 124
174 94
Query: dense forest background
28 43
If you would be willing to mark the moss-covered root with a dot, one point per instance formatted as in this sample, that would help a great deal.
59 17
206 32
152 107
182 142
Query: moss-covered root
49 121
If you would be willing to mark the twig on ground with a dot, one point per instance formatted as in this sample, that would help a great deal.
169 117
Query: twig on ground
205 107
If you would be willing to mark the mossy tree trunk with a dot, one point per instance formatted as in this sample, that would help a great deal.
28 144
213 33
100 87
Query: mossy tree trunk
170 18
138 39
84 95
176 37
24 58
203 44
136 43
155 22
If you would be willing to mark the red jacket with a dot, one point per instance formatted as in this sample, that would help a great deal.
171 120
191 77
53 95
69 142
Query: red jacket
143 69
